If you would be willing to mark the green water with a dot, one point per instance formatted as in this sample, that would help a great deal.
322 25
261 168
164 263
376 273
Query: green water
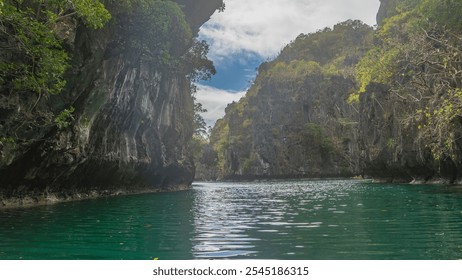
268 220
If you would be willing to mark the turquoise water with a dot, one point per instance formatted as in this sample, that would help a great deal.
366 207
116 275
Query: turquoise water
265 220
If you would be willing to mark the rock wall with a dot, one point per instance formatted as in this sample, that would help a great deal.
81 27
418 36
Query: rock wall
392 149
295 121
398 142
387 9
389 149
130 129
293 137
309 113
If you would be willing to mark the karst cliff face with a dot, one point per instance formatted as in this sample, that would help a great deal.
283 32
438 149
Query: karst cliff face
295 121
387 9
382 104
131 120
409 131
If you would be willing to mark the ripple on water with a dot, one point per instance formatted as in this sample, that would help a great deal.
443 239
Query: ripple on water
260 220
293 214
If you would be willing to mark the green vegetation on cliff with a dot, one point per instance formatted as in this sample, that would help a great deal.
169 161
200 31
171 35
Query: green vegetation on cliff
293 121
33 58
98 94
36 38
353 100
418 56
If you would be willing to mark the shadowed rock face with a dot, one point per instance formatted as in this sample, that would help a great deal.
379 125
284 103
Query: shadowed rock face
291 137
387 9
388 149
199 11
132 123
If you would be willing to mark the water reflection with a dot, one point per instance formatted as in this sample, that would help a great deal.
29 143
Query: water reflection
221 221
320 220
253 220
264 220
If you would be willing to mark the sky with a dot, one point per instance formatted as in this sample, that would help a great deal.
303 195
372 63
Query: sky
250 32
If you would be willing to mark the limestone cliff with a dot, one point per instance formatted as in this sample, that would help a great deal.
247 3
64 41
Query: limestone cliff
131 118
385 104
409 124
389 150
295 120
387 9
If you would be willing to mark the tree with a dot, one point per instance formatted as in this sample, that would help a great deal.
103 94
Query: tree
200 126
197 64
158 31
418 55
434 71
33 59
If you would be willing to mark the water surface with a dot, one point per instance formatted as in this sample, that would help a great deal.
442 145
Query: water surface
264 220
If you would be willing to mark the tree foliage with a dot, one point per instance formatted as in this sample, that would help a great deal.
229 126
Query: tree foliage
158 31
33 58
435 81
196 63
296 70
65 118
378 65
35 55
418 54
328 51
443 12
282 110
349 37
200 126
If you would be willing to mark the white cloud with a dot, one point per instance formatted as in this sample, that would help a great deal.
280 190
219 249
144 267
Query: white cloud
264 27
215 101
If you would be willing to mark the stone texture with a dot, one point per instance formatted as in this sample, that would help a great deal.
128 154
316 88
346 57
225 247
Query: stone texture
132 123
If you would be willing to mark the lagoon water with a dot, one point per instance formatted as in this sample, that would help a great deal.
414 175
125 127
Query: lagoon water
316 220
